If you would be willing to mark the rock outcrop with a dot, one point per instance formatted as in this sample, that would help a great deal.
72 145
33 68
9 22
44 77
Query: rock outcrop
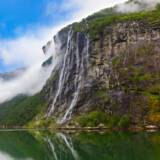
117 73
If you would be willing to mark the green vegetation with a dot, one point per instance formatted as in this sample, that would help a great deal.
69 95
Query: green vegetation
21 110
154 112
21 145
96 118
40 122
102 95
124 121
95 24
92 119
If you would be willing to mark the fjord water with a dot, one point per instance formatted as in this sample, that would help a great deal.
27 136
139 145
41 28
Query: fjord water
22 145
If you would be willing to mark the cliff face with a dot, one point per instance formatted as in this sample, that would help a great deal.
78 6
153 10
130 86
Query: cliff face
117 73
132 52
70 80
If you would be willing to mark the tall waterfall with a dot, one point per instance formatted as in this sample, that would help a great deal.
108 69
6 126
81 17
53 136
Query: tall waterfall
62 74
74 60
78 81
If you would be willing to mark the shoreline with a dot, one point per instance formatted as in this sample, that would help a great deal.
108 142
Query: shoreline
70 128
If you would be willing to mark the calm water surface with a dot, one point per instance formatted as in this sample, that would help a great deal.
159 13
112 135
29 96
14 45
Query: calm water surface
22 145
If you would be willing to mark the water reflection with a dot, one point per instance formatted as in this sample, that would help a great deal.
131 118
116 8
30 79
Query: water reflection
61 146
52 148
80 146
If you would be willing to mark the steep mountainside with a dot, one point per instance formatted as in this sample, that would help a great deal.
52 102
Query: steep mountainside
110 65
108 74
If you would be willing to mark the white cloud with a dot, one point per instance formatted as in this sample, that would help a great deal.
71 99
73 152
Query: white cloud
91 6
134 7
51 8
27 49
79 8
29 83
150 3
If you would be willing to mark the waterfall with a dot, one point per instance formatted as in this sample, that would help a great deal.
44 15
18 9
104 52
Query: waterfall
78 81
62 75
76 60
87 55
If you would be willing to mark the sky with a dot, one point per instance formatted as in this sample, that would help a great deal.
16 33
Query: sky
26 25
18 15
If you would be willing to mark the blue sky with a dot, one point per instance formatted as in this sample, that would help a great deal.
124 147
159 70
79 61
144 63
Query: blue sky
18 15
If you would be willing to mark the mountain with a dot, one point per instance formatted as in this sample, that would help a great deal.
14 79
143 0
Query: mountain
12 75
108 74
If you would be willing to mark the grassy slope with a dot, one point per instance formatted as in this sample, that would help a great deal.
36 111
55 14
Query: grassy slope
20 110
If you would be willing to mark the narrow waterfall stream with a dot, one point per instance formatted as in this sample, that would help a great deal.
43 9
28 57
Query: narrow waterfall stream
75 58
81 59
62 78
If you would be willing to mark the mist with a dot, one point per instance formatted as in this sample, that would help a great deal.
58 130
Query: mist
137 5
29 82
23 85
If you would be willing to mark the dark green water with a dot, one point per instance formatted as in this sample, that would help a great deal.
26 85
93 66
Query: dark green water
22 145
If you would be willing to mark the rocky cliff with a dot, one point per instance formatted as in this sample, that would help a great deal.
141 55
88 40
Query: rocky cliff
112 68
